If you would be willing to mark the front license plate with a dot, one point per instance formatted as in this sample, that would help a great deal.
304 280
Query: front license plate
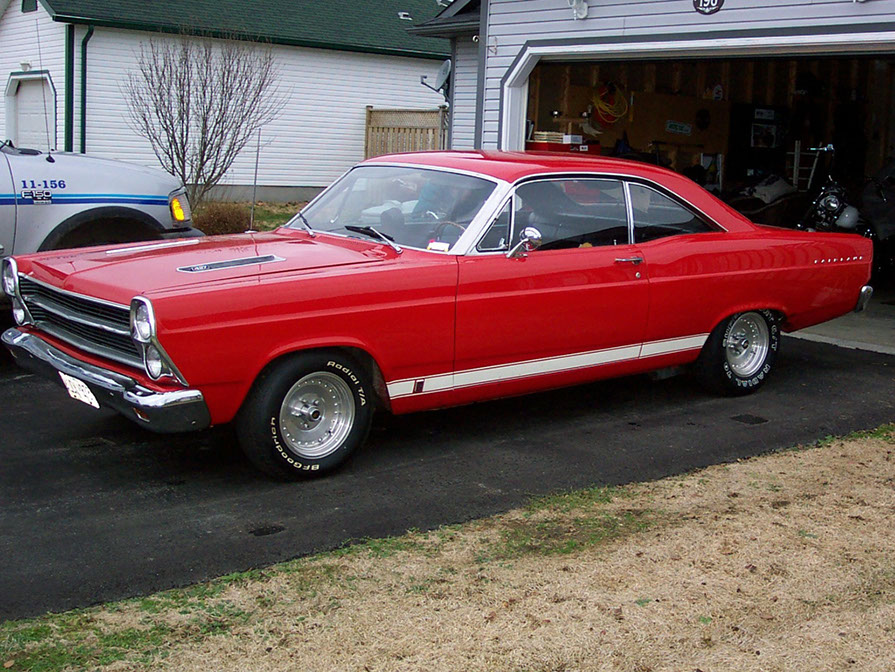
78 390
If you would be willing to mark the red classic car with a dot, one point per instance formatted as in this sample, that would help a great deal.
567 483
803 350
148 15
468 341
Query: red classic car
419 281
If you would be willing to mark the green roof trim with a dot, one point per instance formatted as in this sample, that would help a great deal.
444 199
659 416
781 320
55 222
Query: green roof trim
370 26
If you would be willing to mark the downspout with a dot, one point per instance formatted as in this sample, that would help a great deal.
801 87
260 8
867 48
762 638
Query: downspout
480 79
84 88
69 86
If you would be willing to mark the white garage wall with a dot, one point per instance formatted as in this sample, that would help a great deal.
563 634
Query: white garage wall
465 68
18 43
319 134
512 23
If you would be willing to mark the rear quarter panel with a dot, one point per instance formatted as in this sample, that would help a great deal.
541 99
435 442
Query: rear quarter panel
696 281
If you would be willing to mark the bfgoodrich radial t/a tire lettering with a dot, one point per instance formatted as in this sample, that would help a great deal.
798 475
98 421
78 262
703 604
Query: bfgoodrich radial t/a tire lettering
306 415
740 353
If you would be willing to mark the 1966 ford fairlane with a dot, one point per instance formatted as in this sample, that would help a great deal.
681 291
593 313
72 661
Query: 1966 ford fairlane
425 280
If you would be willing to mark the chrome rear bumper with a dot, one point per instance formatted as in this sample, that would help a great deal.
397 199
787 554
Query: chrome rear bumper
164 412
864 298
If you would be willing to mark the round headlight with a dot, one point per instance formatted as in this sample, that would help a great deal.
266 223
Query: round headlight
831 203
154 365
10 281
142 323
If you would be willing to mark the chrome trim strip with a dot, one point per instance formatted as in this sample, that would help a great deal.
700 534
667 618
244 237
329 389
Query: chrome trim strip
52 307
83 297
629 210
230 263
539 367
155 246
88 346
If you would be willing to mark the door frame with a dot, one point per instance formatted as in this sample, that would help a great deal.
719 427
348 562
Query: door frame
11 104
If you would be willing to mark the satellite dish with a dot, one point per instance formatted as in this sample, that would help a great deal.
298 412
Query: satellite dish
442 79
444 73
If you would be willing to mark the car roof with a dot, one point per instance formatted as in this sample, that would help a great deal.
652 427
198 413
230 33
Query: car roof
513 166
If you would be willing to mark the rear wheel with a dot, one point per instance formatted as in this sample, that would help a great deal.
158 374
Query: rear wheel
739 354
306 415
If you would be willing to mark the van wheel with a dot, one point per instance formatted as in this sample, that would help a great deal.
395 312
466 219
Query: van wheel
306 415
740 352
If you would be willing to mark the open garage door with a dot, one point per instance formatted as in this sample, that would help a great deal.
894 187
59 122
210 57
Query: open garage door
726 122
746 128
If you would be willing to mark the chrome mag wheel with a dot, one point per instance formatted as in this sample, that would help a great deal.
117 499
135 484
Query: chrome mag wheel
317 415
747 344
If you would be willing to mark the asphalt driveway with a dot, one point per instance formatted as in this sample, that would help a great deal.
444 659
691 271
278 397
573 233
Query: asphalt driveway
93 508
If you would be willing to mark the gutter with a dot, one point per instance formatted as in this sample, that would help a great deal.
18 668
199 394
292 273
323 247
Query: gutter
446 29
84 42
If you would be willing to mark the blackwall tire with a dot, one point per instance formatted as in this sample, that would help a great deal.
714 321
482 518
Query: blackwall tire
740 353
306 415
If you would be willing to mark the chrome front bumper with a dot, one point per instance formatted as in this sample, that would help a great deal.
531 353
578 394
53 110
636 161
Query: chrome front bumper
864 298
164 412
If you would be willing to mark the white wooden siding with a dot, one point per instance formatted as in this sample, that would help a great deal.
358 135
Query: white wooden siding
18 43
464 97
318 135
511 23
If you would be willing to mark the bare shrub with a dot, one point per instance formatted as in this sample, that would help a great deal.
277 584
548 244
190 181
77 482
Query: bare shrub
218 218
198 101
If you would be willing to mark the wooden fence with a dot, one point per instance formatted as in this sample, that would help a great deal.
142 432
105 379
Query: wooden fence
391 131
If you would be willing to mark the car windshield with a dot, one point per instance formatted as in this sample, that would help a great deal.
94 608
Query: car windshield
414 207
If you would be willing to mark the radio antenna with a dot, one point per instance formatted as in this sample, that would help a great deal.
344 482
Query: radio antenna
43 92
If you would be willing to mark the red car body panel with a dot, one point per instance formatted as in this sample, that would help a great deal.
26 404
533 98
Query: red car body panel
448 329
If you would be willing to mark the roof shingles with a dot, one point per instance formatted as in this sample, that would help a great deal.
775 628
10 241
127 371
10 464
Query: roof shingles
350 25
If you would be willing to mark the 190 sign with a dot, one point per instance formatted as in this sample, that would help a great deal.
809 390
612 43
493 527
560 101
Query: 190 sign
707 6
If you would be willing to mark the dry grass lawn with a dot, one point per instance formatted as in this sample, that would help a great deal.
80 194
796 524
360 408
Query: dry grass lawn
783 562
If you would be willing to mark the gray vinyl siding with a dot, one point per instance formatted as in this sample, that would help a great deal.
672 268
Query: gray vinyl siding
464 96
512 23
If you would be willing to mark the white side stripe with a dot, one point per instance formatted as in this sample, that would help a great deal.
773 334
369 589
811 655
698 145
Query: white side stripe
539 367
673 345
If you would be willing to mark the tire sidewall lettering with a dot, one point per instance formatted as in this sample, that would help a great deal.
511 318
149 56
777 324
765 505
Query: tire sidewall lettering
350 377
278 446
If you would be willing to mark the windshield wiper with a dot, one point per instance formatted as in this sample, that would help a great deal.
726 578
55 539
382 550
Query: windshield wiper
304 223
370 231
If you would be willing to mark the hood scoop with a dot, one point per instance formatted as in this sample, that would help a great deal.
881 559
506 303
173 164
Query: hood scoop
230 263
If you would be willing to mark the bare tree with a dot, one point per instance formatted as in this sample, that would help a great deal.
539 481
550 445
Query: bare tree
198 101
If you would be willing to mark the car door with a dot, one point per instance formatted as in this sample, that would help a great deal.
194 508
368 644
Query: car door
693 265
7 207
558 312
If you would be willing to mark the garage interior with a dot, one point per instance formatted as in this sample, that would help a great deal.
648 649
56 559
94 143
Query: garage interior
745 128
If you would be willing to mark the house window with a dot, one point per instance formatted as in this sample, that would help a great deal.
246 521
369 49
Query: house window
29 6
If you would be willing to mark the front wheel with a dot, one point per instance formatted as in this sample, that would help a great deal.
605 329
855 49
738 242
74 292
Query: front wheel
740 352
306 415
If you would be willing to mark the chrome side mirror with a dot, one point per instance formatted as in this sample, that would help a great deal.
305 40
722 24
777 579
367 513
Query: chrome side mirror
530 241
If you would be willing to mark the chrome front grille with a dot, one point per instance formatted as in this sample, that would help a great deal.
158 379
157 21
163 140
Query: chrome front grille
95 326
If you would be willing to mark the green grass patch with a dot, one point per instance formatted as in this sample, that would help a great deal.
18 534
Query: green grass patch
564 502
565 535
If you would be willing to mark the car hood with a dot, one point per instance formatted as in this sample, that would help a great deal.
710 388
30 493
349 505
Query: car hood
119 272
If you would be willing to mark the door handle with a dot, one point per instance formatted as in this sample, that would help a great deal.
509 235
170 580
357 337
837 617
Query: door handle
629 260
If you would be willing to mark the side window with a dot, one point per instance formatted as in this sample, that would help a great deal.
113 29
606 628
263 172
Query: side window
657 216
498 235
573 212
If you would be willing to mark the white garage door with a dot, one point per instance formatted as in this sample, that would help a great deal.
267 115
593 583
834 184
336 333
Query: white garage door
35 113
